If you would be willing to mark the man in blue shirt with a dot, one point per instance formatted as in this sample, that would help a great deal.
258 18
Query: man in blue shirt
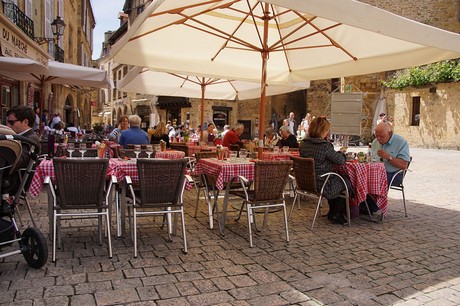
393 150
134 135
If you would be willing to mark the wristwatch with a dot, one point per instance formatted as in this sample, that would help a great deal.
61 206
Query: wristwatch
391 157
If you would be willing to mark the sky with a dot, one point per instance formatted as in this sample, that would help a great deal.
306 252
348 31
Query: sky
106 15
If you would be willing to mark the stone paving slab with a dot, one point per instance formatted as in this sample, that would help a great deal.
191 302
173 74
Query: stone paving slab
400 261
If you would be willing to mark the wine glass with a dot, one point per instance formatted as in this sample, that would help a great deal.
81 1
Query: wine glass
137 150
70 148
82 150
149 150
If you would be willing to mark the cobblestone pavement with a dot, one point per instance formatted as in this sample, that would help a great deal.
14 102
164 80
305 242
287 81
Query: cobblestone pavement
403 261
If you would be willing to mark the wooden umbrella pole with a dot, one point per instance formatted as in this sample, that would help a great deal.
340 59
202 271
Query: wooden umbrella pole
263 82
203 89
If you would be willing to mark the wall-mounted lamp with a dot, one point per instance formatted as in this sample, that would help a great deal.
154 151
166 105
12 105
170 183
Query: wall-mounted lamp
58 26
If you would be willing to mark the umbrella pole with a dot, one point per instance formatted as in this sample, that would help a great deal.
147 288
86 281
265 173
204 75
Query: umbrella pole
263 83
41 105
203 89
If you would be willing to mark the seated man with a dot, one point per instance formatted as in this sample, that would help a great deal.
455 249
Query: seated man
21 120
393 151
134 135
288 139
233 135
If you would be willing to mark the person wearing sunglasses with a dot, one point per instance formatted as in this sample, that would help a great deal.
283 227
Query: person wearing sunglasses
21 120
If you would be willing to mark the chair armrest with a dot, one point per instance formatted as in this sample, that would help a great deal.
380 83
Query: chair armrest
129 182
328 175
291 177
189 179
243 180
47 180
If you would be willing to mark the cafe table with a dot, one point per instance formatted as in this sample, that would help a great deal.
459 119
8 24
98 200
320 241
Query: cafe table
224 173
367 178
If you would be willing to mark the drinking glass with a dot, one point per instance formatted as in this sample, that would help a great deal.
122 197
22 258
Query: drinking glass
70 148
285 149
276 149
82 151
149 150
233 155
137 150
243 154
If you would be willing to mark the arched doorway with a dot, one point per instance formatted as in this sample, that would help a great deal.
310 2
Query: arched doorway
68 114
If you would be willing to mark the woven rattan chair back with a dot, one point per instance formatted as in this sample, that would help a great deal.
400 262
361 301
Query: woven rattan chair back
270 178
205 154
130 153
80 182
304 173
180 147
161 181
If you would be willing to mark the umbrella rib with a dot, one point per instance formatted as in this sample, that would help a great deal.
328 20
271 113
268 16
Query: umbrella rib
333 42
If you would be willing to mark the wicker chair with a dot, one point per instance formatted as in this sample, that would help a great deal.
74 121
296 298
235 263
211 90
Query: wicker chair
305 178
179 147
130 153
80 192
204 183
161 185
270 178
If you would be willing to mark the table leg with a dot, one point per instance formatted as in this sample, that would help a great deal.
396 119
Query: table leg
224 208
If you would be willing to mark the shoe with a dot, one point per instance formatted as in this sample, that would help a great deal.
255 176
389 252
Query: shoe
338 219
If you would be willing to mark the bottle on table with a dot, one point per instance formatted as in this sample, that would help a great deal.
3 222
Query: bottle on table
369 158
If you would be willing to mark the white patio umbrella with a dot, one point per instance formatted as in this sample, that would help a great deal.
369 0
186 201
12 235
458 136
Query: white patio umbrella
278 41
23 69
147 81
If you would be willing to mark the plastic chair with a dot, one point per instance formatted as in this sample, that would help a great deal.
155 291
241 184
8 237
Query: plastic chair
80 192
305 178
270 178
161 186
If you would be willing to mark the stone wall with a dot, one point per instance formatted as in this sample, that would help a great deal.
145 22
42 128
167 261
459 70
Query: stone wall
439 115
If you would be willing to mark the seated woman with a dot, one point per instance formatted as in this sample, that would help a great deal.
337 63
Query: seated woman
160 133
208 135
287 139
271 138
317 146
123 125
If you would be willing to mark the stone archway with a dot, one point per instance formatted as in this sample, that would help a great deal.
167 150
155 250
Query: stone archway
68 116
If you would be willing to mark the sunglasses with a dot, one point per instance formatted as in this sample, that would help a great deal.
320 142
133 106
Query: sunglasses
12 122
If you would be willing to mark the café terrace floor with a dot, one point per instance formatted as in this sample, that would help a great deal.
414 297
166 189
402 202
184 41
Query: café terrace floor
403 261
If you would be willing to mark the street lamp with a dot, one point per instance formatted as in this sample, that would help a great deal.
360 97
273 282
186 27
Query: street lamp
58 26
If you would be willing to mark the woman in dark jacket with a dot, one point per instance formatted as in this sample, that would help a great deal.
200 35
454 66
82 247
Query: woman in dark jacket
317 146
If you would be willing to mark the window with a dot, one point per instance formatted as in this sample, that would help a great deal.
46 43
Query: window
415 115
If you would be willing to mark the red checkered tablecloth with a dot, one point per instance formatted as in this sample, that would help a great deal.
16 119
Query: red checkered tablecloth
367 178
279 156
225 171
170 154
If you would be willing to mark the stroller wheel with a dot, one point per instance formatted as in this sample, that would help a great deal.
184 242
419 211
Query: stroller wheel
35 248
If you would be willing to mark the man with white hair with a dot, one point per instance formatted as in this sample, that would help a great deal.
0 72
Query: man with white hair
134 135
292 124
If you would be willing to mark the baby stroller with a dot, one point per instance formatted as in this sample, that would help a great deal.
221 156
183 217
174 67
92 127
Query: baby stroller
32 243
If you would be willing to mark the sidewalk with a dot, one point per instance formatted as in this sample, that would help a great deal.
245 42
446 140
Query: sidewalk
401 261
